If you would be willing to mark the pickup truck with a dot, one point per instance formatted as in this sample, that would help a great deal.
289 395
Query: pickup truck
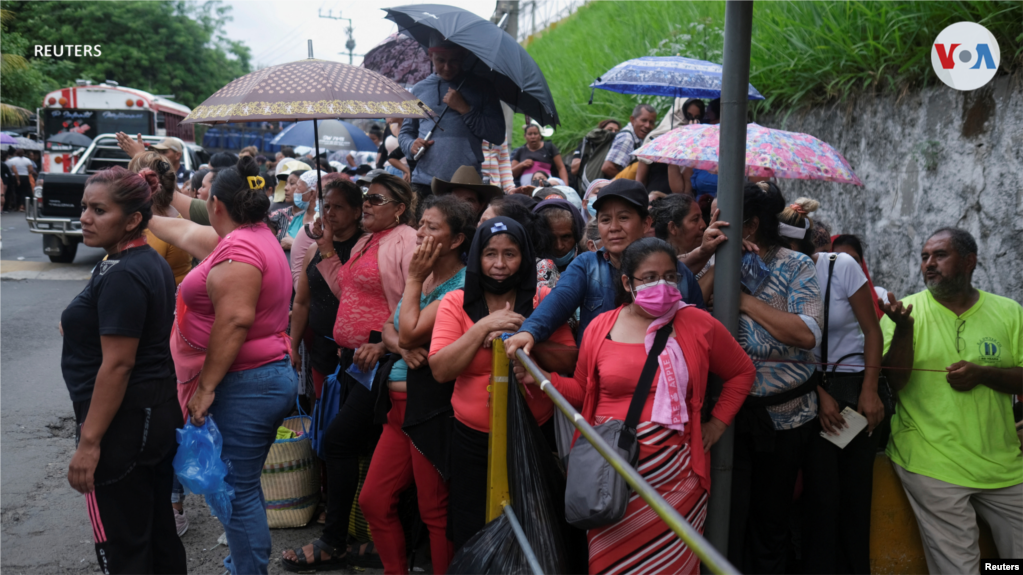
56 207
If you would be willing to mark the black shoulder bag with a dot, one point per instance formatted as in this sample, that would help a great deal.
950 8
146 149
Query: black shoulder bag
596 495
846 387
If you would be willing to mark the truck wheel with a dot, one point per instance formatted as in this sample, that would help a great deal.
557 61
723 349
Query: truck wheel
66 252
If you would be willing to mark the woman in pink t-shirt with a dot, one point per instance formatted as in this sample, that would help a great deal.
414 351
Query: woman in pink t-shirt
230 344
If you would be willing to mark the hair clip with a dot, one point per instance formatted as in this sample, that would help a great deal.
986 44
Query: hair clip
798 209
256 182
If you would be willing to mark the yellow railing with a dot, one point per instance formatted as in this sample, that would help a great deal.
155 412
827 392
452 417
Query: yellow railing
497 461
498 472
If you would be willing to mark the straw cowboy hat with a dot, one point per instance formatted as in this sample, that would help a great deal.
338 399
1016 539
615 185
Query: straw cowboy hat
467 177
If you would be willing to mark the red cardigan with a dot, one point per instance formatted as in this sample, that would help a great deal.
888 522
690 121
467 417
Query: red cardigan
707 347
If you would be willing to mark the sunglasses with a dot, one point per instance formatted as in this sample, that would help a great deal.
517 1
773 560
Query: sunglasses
377 199
960 342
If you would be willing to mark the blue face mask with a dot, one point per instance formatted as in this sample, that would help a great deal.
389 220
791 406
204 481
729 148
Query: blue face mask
564 260
592 210
300 203
753 272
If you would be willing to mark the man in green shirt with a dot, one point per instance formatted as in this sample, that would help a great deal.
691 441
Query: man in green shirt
953 441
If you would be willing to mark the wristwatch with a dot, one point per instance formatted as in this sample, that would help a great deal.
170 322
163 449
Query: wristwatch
328 255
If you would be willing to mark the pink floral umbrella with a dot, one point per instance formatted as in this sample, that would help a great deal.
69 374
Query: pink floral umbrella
769 153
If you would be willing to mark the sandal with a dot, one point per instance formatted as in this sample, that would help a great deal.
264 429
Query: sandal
368 558
336 561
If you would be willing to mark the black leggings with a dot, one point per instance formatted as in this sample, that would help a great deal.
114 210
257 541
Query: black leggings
467 494
763 484
837 497
351 434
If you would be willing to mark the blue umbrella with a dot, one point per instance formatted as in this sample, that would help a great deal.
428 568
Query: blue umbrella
334 135
671 76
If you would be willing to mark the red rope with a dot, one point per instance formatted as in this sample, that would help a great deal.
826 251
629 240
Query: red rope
848 365
863 366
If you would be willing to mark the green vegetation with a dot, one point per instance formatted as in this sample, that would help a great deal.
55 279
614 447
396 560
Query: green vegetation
803 53
163 47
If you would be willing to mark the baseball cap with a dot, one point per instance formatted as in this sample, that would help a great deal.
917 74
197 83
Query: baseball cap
170 144
629 190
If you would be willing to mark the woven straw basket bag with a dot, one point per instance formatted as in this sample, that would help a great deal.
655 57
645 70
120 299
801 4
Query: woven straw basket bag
291 478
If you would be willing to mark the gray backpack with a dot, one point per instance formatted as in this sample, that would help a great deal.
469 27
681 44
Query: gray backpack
595 494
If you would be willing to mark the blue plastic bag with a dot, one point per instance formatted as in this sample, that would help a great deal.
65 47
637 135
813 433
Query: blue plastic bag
364 379
200 469
753 271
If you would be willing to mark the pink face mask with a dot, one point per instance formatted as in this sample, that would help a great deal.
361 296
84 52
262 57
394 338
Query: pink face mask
657 298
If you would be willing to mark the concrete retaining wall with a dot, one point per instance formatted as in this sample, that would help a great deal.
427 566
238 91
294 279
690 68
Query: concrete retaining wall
931 159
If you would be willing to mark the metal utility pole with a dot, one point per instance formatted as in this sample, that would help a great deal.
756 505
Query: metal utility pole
508 12
731 169
350 44
532 12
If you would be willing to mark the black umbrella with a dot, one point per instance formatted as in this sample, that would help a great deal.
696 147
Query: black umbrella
71 139
515 76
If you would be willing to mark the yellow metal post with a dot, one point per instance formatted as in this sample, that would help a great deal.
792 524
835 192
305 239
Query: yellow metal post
497 459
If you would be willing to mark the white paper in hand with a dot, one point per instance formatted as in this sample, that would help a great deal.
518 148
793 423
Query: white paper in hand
855 423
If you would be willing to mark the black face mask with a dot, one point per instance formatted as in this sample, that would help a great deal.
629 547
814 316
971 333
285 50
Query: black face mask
499 287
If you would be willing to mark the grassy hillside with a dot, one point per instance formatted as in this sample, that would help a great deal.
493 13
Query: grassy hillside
803 53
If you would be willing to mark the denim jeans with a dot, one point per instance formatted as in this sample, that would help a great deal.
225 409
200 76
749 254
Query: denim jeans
177 491
248 407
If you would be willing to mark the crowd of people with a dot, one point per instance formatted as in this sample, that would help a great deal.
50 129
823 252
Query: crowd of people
404 272
18 171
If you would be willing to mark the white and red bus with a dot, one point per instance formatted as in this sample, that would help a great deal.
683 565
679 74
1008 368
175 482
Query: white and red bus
105 109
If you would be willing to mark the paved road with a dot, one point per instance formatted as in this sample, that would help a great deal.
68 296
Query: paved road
44 523
41 516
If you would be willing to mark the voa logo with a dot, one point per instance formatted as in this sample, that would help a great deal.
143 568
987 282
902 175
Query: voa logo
965 56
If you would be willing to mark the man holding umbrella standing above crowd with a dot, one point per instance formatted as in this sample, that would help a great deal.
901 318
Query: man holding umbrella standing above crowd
474 115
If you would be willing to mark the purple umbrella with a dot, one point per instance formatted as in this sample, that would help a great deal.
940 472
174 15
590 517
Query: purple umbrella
399 58
7 139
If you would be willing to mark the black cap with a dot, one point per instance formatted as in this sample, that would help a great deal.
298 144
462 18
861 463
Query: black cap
629 190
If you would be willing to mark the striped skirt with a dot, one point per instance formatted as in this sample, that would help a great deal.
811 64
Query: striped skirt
640 542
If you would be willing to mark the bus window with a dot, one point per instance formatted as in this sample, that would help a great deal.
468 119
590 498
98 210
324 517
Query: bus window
92 123
127 121
82 121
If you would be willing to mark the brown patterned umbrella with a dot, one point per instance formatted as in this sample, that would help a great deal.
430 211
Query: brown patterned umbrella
306 90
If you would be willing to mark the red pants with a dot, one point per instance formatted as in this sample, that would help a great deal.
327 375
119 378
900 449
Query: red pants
318 383
395 463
